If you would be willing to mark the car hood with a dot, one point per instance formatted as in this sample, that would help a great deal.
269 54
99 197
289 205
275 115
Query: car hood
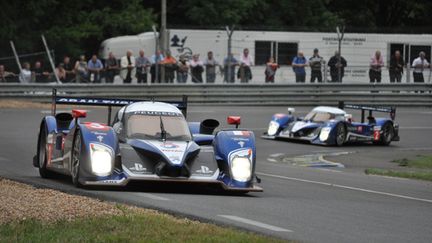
299 125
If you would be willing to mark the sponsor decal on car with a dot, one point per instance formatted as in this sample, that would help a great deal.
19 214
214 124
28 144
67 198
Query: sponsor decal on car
138 168
156 113
96 126
241 133
204 170
168 145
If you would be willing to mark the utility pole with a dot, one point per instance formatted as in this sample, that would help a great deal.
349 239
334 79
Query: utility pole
16 56
230 70
50 59
340 38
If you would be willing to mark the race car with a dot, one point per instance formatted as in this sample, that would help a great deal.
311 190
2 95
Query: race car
326 125
147 141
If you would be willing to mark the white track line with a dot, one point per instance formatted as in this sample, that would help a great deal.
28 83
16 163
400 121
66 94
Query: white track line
154 197
346 187
255 223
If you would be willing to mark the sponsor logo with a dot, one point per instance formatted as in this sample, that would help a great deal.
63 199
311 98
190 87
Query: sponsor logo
240 139
100 138
169 145
175 159
94 101
241 133
204 170
96 126
156 113
377 135
241 144
137 168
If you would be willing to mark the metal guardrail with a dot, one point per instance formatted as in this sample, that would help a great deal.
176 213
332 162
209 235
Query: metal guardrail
399 94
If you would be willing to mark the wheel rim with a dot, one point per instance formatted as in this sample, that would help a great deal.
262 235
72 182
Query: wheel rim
42 150
76 156
340 137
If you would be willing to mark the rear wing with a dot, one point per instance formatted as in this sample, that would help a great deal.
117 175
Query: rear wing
363 108
108 102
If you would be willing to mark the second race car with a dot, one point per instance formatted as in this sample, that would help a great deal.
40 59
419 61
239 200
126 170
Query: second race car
326 125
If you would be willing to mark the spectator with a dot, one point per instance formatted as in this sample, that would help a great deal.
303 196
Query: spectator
25 75
94 66
229 68
69 69
197 68
155 60
376 64
127 65
182 70
81 71
270 70
169 64
419 64
244 72
40 75
299 63
61 72
111 67
315 63
5 75
142 63
337 66
396 67
210 63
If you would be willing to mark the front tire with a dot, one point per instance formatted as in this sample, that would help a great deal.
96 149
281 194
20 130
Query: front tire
340 134
42 154
76 159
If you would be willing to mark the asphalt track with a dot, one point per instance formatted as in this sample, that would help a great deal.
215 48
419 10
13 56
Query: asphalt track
300 203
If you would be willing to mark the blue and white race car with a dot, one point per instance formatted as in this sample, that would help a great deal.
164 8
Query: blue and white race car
326 125
148 141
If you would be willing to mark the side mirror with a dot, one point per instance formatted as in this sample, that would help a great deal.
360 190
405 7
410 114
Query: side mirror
79 113
291 110
234 120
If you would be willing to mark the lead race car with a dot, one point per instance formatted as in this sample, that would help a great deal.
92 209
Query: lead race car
148 141
333 126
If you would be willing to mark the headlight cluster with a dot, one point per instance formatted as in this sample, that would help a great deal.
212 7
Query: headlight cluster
241 165
324 134
272 128
101 159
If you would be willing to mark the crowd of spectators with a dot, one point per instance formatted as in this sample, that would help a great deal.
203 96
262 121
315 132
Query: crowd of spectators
165 68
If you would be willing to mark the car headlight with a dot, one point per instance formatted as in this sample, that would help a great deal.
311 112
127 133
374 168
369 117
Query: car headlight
101 159
272 128
324 134
241 165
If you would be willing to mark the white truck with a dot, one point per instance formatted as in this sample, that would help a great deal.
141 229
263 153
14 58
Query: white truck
357 49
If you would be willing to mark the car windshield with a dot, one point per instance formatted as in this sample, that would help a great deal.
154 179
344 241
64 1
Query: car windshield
158 127
315 116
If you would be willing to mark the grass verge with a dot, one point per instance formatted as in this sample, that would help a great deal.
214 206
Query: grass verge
129 227
418 168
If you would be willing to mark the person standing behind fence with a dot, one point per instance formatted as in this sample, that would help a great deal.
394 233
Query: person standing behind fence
229 68
210 63
95 66
69 69
60 72
182 70
246 61
396 67
40 76
111 67
25 75
419 64
142 63
81 70
376 63
155 60
5 75
315 63
197 68
127 65
335 65
299 63
270 71
170 64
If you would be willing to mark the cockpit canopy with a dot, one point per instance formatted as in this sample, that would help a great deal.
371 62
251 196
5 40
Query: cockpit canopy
324 113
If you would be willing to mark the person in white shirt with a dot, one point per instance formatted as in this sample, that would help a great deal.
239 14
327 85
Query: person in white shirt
419 64
25 75
197 68
127 65
244 72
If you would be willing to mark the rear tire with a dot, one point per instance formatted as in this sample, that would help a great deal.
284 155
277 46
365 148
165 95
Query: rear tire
42 154
75 160
340 134
387 134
